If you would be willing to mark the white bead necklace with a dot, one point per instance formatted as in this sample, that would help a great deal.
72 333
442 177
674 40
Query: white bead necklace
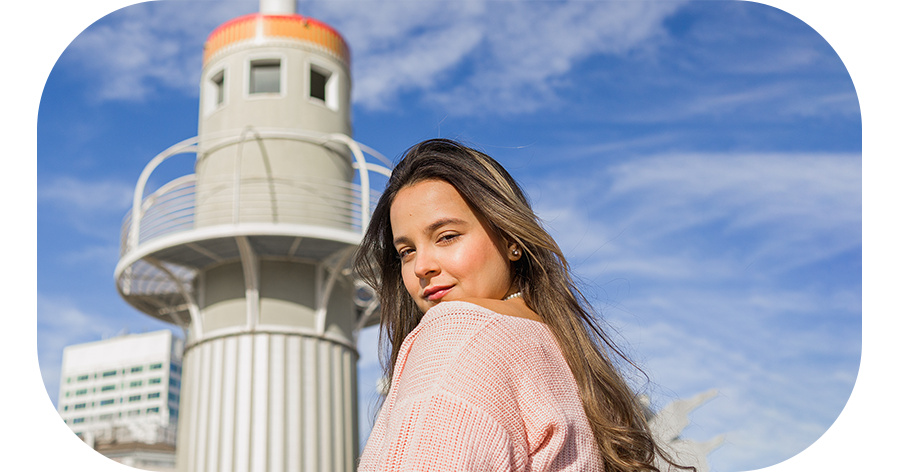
511 296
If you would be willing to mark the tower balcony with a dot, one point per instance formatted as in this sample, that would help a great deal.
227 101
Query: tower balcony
187 225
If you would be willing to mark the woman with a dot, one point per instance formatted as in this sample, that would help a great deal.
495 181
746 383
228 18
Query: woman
496 362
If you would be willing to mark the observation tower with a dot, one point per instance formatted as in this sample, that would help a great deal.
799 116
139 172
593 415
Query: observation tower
250 254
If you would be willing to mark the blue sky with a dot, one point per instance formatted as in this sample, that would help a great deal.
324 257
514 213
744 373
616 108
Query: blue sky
699 162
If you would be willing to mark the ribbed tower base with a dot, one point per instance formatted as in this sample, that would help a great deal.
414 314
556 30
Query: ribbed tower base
273 402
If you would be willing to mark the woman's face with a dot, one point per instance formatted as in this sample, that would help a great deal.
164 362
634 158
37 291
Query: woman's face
446 252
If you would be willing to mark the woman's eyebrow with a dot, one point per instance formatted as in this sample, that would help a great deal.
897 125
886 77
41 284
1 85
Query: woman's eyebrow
430 229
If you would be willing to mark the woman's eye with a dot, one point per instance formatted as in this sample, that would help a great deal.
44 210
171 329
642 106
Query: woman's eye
448 237
404 253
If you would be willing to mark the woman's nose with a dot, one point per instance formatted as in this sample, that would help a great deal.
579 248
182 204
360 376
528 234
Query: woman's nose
426 264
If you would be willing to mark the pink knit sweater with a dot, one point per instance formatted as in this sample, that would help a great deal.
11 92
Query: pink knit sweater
478 391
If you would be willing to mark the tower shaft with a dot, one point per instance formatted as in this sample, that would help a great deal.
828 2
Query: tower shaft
250 254
269 402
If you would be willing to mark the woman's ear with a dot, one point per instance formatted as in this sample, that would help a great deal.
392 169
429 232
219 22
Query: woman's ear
514 253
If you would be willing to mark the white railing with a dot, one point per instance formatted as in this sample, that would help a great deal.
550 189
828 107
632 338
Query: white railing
174 206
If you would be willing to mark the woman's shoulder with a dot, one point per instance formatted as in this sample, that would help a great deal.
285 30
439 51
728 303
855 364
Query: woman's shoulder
455 325
482 309
467 326
505 356
454 316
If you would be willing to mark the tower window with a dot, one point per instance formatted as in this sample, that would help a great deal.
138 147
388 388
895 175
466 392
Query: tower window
218 82
318 80
213 98
323 86
265 76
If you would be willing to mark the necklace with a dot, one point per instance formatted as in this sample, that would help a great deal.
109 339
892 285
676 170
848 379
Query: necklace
511 296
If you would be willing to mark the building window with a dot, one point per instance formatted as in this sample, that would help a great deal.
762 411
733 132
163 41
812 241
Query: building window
134 398
110 373
82 378
152 395
323 86
107 388
136 383
218 83
107 402
82 391
80 406
155 381
137 369
78 420
265 76
156 367
318 80
153 410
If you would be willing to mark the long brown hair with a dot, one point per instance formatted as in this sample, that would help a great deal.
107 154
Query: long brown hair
542 275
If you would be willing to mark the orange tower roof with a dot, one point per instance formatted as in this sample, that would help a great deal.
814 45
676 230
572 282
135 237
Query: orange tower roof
295 27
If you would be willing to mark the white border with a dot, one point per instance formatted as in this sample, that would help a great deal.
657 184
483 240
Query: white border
862 33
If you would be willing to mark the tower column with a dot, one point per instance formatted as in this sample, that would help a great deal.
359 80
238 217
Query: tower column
292 396
250 254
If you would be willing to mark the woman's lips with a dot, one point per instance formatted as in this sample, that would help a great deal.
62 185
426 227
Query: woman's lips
435 294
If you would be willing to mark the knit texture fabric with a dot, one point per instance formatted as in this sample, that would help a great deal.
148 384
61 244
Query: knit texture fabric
475 390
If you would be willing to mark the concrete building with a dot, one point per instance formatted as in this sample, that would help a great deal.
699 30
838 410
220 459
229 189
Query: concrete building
121 396
250 254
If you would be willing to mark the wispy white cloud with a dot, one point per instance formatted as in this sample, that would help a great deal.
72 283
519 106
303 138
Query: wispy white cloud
489 54
418 66
779 102
149 46
89 207
497 54
86 197
62 322
469 56
689 258
100 259
802 208
766 381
